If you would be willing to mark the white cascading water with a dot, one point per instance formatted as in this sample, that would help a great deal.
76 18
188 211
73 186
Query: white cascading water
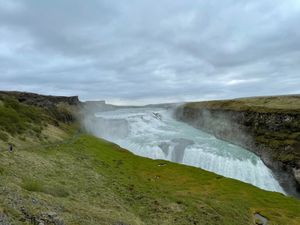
154 133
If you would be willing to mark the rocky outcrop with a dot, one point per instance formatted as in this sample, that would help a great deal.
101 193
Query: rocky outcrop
274 136
45 218
46 101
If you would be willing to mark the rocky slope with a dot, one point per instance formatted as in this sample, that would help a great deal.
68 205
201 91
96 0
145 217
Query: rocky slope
268 126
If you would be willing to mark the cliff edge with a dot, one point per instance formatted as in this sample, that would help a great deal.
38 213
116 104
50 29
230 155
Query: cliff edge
268 126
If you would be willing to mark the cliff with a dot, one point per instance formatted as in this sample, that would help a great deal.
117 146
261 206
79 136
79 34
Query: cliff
46 101
268 126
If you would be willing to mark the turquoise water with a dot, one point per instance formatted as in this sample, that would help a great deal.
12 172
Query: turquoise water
154 133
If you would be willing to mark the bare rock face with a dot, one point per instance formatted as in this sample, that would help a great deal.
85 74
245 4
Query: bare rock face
274 136
297 174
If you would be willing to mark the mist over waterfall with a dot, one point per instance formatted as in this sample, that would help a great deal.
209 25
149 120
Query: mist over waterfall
153 132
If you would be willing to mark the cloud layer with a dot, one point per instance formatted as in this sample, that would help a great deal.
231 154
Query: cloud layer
141 51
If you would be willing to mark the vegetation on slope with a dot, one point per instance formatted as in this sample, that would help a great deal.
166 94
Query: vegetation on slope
22 124
71 178
18 118
90 181
277 104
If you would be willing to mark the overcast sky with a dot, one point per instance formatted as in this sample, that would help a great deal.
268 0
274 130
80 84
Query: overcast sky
145 51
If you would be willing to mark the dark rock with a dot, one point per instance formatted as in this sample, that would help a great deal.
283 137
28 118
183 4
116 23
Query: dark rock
157 116
274 136
165 147
180 146
42 218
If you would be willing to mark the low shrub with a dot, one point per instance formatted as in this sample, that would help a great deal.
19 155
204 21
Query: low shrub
36 186
16 117
3 136
32 185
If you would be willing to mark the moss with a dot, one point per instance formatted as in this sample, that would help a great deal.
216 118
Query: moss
295 136
290 142
286 157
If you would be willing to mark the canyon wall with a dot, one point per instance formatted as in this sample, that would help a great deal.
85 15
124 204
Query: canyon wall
269 126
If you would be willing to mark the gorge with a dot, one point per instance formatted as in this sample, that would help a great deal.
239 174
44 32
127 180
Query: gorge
60 174
153 132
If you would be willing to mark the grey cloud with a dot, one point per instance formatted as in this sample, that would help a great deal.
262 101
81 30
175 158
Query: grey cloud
141 51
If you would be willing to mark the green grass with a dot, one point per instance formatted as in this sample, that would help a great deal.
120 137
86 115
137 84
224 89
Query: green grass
102 183
17 118
36 186
28 125
88 181
290 104
4 136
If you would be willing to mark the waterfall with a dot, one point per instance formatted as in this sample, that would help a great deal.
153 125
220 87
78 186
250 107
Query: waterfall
153 132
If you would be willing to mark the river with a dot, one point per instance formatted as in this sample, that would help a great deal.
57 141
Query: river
153 132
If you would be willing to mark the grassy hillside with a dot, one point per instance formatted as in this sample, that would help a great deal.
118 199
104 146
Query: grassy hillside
22 124
256 104
90 181
72 178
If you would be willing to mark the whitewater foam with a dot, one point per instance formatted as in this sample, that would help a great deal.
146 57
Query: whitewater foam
153 133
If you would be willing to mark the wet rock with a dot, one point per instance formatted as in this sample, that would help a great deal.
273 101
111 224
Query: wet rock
180 146
157 116
297 174
165 147
274 136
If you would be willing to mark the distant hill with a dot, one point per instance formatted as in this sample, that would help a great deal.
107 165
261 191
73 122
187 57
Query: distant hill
282 103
